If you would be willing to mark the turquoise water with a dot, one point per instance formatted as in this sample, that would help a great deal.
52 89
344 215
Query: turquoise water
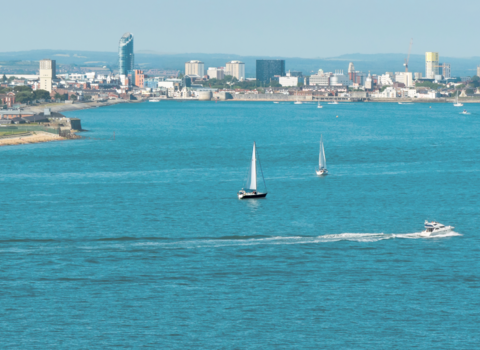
141 240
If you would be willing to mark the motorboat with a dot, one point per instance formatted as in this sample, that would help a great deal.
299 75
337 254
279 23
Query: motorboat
250 189
322 161
435 228
465 112
333 103
153 100
275 102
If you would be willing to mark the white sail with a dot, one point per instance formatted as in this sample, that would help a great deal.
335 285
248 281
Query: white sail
252 179
322 161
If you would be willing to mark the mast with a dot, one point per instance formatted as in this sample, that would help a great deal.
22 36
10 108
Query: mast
253 171
322 162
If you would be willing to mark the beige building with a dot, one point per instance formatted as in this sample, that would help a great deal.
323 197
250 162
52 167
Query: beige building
48 72
195 68
478 71
431 65
235 69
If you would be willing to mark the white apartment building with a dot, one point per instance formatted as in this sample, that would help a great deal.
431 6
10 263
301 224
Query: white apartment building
321 78
431 64
389 92
405 78
478 71
340 79
235 69
417 76
288 81
195 68
384 79
48 72
215 73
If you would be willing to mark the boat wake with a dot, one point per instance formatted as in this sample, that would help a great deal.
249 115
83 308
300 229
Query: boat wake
282 240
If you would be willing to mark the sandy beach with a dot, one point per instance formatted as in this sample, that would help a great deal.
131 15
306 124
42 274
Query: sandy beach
35 137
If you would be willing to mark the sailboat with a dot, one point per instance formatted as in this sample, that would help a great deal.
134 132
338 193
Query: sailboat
322 161
319 105
250 189
457 104
297 102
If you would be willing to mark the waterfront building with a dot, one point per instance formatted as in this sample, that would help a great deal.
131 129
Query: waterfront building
404 78
321 78
266 69
215 73
125 54
369 82
417 76
340 79
289 81
195 68
431 64
48 72
351 72
235 69
385 79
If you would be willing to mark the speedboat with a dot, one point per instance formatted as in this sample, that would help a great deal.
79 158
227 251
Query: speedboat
298 103
435 228
465 112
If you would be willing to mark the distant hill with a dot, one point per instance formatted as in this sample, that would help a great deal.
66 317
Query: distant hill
375 63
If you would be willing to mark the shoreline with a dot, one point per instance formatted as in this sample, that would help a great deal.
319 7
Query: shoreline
36 137
59 107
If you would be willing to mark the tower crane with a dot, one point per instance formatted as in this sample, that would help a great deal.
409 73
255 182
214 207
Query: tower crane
408 57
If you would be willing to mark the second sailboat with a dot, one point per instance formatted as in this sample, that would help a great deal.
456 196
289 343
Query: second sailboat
322 161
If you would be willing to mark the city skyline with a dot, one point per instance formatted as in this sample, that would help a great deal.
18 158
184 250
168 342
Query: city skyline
364 28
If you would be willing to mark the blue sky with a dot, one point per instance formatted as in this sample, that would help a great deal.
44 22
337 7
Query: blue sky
297 28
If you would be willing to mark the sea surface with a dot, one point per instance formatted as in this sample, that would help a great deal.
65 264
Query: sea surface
140 241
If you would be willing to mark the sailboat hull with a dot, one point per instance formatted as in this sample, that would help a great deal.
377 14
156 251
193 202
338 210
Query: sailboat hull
322 172
251 195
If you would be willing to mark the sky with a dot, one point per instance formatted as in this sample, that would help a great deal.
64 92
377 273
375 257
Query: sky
286 28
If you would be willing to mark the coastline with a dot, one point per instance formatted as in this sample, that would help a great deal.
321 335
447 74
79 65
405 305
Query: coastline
36 137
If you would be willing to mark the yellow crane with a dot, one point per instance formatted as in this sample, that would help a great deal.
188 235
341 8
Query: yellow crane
408 57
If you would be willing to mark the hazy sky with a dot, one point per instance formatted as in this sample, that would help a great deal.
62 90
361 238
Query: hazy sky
300 28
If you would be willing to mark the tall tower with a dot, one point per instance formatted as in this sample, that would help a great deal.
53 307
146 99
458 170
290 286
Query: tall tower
351 72
431 64
125 54
48 72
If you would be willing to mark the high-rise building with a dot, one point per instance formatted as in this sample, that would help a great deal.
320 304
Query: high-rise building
445 70
417 76
215 73
48 71
431 64
404 78
351 72
266 69
478 71
235 69
125 54
195 68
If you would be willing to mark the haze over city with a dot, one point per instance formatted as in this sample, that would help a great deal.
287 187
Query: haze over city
302 28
